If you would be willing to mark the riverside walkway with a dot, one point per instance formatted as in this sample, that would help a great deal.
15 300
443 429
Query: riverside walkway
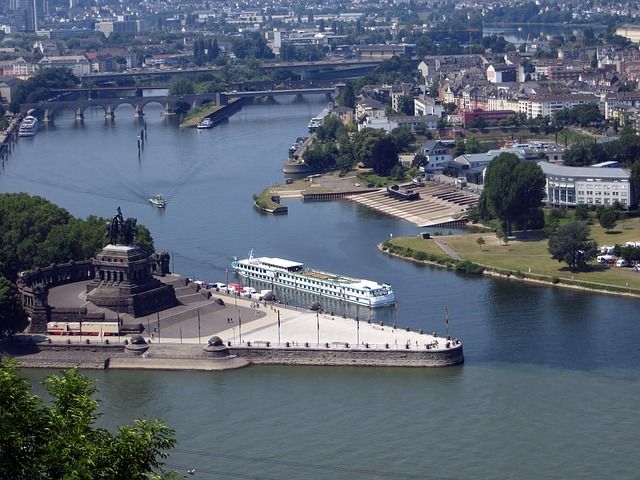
242 322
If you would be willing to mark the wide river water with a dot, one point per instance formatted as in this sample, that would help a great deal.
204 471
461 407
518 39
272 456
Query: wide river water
551 380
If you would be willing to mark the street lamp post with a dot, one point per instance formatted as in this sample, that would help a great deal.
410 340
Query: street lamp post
198 326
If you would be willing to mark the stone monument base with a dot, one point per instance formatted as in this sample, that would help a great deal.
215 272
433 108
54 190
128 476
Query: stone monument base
123 283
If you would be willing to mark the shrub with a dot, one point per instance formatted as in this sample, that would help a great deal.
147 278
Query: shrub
420 256
555 280
465 266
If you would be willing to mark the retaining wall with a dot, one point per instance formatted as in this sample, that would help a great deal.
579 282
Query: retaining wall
191 357
356 357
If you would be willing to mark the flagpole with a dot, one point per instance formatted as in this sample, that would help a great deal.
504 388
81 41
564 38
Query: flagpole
446 320
278 327
199 326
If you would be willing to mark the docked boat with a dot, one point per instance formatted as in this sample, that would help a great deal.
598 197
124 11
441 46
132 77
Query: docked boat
158 201
295 275
317 121
205 123
28 127
402 193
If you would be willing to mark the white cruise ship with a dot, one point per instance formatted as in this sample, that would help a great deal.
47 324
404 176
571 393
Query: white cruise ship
286 273
28 127
316 122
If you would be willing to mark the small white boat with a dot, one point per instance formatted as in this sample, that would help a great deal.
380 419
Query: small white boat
158 201
205 123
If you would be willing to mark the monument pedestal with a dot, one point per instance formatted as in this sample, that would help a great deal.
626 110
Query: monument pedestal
124 283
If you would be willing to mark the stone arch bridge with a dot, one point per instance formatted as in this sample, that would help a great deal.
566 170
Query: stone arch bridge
49 109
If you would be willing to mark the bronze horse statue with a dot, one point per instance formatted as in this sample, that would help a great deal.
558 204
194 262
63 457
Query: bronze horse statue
121 231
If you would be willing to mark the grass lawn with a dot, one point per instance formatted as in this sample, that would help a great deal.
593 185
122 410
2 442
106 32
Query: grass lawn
195 115
530 256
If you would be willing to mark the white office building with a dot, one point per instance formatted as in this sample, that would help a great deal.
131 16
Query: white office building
571 186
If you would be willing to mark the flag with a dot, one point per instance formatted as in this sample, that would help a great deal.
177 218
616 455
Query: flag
446 318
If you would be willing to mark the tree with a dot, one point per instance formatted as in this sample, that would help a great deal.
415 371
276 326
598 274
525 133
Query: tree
472 146
480 241
459 148
405 104
581 212
384 156
571 244
635 175
420 160
347 97
59 440
402 137
12 318
182 86
513 190
607 217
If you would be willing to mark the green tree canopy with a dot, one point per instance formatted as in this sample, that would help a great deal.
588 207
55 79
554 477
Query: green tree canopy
607 217
347 97
513 191
12 318
384 156
59 440
39 86
571 244
405 105
182 86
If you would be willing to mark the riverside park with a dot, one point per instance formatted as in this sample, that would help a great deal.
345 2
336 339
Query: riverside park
525 256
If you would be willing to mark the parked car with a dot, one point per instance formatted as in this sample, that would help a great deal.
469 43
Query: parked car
605 258
622 263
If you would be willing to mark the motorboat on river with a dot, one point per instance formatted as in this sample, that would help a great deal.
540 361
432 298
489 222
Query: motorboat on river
158 201
205 123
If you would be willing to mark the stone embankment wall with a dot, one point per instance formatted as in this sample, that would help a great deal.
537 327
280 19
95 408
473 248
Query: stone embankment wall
355 357
60 355
100 356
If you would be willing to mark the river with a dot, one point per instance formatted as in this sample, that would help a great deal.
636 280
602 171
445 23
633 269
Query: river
551 377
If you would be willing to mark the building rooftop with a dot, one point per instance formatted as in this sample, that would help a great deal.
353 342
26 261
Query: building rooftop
589 172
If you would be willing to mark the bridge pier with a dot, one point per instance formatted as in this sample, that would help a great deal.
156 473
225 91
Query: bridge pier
109 114
328 97
47 117
137 111
221 99
168 111
299 98
79 114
